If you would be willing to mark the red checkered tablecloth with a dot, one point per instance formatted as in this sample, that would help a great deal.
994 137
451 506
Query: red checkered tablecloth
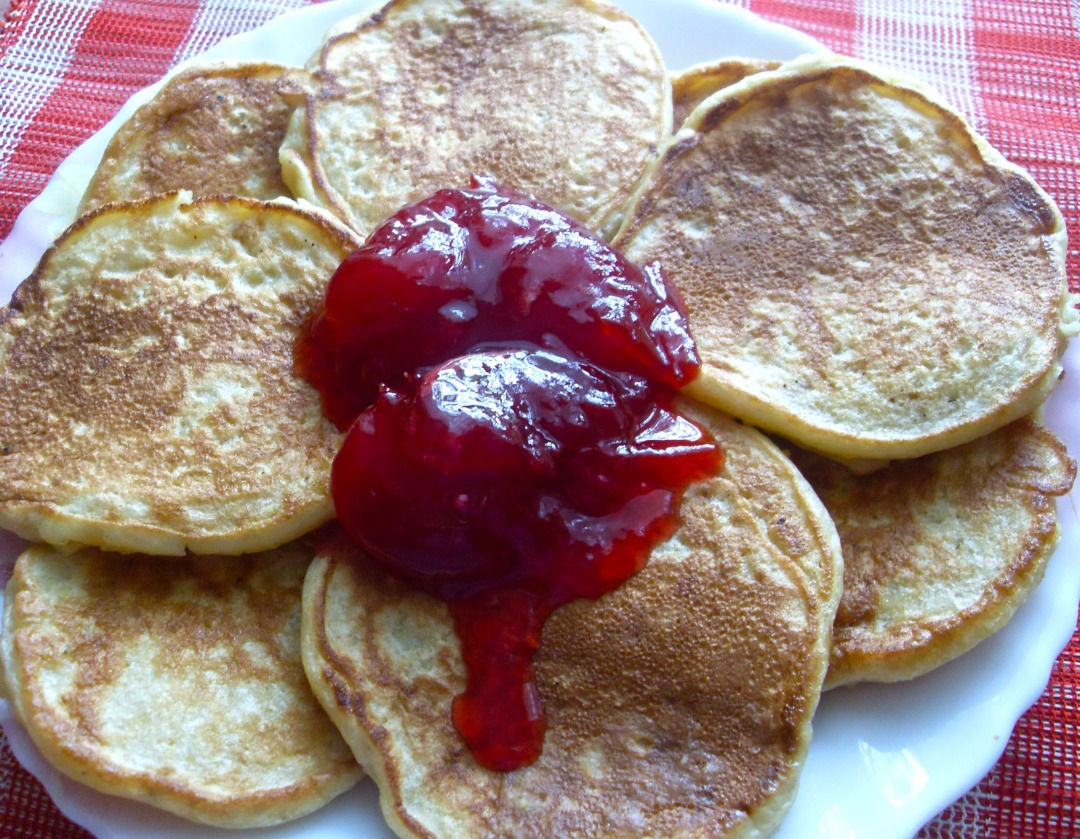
1012 66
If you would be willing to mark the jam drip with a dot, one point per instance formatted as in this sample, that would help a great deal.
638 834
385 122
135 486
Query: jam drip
507 483
508 384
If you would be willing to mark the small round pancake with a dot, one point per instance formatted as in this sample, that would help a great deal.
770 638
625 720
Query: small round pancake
566 100
678 704
939 551
692 86
213 129
175 683
147 395
864 275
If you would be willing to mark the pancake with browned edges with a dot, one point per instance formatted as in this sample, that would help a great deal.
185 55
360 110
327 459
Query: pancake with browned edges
939 551
175 683
212 129
693 85
147 394
565 100
864 274
678 704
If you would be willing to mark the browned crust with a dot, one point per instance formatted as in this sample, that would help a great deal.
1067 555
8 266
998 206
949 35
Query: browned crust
344 703
601 669
205 608
974 525
321 183
692 86
345 238
211 129
727 271
97 376
503 159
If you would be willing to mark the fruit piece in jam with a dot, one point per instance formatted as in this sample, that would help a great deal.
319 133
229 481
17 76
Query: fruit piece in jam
472 266
508 383
507 483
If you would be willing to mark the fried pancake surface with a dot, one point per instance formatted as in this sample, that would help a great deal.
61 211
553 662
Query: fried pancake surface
939 551
692 86
147 395
679 704
214 129
565 100
175 683
864 275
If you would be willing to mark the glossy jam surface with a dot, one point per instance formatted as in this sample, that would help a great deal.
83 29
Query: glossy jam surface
508 482
468 267
514 459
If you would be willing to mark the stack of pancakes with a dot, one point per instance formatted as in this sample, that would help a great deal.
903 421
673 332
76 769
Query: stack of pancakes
868 281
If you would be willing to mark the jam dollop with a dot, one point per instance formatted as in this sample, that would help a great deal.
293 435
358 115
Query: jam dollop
508 382
472 266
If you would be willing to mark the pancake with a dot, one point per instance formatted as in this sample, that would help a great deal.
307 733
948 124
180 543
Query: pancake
692 86
864 275
564 100
147 395
175 683
678 704
939 551
211 129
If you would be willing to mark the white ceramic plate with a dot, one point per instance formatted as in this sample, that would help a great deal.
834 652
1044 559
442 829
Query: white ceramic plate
885 758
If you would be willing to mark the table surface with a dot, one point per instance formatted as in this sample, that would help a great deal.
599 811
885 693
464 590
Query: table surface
1012 66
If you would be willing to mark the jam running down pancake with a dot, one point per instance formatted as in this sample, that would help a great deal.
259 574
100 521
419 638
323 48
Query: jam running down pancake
678 704
513 445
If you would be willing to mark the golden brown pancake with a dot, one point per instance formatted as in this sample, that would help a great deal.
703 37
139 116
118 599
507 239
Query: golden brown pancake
692 86
939 551
174 683
147 395
679 704
864 274
213 129
565 100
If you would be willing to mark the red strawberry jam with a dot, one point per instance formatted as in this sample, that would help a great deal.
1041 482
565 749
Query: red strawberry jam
468 267
514 459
